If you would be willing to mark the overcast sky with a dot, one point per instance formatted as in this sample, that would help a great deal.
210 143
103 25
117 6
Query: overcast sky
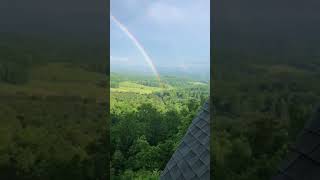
175 33
65 18
274 24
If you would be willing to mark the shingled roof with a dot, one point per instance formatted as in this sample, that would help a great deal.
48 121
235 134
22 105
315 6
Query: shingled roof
303 161
191 160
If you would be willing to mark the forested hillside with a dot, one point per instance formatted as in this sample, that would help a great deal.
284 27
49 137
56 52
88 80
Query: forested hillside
53 110
261 103
148 120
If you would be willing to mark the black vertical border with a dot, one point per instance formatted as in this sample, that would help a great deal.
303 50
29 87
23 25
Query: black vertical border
212 60
107 41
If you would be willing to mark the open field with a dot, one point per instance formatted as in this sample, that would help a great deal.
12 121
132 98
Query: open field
133 87
59 79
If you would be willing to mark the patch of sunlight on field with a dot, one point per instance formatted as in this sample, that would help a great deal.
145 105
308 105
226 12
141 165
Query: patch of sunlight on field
198 83
63 72
132 87
59 79
280 69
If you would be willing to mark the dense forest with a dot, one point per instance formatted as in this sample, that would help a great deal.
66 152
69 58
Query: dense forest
53 109
148 120
54 113
261 102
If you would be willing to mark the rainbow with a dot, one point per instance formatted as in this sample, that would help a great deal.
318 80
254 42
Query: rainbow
138 45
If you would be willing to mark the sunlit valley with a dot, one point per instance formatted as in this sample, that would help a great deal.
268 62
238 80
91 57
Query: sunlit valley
149 119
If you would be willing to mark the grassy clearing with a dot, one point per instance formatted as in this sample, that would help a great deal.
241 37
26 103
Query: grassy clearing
59 79
281 69
132 87
198 83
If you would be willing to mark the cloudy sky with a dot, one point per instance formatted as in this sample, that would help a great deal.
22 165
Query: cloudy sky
59 17
175 33
272 25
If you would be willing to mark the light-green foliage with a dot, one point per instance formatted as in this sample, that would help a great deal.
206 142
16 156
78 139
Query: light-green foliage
148 122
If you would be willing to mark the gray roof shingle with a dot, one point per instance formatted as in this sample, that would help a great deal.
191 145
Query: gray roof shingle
191 160
303 160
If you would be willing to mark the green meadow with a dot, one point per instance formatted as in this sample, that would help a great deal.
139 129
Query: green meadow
59 79
132 87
